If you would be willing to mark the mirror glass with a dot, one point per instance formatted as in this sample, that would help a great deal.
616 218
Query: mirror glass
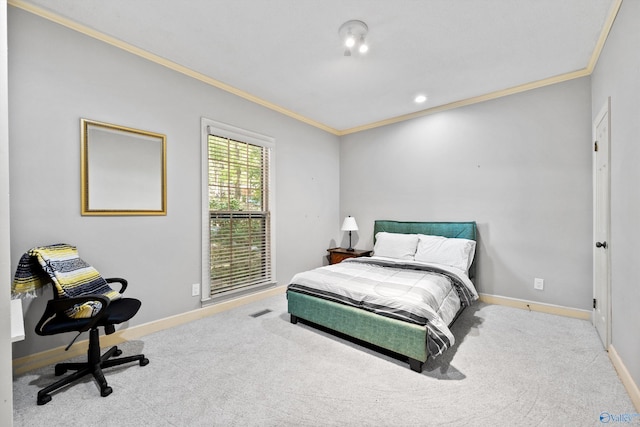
123 170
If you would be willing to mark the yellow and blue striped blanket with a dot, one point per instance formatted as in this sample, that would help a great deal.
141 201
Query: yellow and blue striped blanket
61 265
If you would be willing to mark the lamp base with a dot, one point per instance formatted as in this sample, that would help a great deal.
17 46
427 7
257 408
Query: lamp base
350 248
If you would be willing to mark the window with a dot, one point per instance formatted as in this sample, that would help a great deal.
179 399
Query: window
238 226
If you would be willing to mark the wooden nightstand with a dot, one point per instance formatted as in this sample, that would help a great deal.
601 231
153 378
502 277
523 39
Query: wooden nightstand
338 254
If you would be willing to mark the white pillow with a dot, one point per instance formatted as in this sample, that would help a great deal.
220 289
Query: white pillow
447 251
395 245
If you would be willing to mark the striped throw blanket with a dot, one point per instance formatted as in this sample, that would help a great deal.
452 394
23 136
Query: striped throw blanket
72 277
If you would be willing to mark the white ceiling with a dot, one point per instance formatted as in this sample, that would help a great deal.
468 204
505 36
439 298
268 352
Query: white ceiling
287 53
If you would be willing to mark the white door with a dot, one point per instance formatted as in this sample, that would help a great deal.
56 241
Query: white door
601 223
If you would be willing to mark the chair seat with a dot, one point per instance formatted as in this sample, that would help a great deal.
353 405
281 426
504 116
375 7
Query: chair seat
117 312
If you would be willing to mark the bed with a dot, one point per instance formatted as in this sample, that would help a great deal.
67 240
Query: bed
379 300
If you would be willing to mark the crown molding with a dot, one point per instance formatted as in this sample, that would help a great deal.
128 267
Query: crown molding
43 13
83 29
470 101
604 34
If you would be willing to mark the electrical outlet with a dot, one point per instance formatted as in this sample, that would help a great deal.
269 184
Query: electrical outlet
538 284
195 289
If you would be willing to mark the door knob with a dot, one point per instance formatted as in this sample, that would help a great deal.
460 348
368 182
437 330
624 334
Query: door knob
601 245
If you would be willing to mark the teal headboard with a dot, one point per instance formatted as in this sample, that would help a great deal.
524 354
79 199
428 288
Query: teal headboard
461 230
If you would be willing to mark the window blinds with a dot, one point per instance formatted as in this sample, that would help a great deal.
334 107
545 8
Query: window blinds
239 218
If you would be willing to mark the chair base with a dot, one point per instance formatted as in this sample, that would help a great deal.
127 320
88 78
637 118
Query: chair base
94 365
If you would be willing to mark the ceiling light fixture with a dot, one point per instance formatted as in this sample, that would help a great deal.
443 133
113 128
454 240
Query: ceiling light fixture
353 35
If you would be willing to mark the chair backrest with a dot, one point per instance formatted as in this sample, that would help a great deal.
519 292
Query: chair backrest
72 277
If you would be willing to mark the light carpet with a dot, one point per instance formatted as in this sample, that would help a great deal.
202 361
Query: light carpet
509 367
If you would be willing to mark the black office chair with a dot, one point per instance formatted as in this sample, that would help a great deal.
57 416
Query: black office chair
75 299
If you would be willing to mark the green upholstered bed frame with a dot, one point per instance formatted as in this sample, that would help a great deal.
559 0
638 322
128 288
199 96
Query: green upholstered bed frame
403 338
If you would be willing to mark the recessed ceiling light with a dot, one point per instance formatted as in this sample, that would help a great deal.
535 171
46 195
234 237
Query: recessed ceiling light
419 99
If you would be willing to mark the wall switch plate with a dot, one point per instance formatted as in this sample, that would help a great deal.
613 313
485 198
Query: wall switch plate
195 289
538 284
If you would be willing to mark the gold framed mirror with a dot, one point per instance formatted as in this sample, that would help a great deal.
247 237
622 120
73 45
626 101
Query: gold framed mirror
124 170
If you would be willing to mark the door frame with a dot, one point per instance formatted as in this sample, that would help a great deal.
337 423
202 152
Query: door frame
605 110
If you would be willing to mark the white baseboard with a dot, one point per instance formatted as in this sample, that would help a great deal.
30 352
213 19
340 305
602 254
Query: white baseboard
536 306
625 377
48 357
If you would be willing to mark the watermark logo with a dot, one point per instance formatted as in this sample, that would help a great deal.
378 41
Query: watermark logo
607 417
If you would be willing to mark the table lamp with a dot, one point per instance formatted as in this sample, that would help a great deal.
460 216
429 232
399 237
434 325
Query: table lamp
349 224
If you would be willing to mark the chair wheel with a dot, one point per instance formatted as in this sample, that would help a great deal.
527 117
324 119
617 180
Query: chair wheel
44 399
117 353
60 371
144 362
106 391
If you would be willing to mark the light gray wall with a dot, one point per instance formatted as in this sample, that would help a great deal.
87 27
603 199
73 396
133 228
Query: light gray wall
6 399
58 76
617 75
520 166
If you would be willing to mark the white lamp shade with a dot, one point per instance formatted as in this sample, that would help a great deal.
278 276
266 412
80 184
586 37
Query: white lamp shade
349 224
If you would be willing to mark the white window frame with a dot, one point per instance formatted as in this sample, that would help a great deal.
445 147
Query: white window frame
212 127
